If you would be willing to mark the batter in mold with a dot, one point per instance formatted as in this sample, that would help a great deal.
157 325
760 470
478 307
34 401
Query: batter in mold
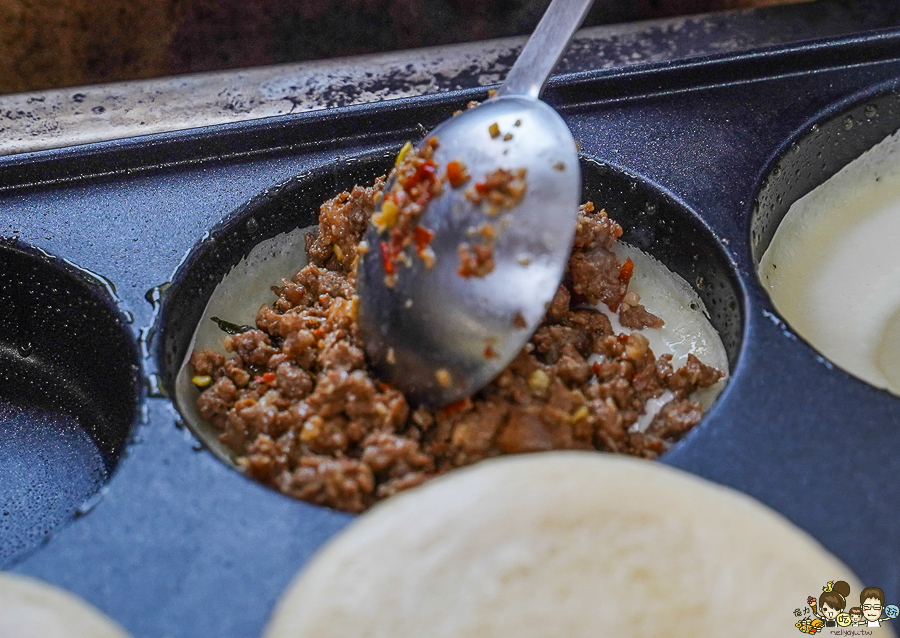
833 267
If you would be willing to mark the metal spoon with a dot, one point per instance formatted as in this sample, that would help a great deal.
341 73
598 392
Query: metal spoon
439 336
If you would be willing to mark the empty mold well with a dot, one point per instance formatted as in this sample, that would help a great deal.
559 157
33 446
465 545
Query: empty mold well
69 390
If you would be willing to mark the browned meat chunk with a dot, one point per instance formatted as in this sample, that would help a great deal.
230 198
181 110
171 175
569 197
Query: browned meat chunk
500 190
206 361
637 317
595 276
476 260
676 417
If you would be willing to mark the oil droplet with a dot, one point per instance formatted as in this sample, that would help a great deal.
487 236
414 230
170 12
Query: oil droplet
145 337
25 349
252 225
848 123
154 295
155 388
91 503
871 111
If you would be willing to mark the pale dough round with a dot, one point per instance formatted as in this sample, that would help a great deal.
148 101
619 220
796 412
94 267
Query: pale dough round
30 608
563 544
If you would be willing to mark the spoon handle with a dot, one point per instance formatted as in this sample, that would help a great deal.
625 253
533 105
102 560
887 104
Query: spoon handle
544 48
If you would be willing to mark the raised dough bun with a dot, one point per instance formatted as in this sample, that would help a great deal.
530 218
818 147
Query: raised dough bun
567 544
31 608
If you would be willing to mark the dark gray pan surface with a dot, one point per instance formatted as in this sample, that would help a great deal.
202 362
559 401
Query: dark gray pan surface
178 545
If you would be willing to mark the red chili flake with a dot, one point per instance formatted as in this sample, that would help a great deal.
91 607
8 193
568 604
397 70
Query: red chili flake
399 237
319 332
623 338
490 353
596 369
387 258
425 171
457 406
456 174
422 237
268 377
626 271
482 188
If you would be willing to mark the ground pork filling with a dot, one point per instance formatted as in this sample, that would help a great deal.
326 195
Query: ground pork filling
300 410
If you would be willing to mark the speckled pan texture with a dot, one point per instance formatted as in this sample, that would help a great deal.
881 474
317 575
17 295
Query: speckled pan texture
698 160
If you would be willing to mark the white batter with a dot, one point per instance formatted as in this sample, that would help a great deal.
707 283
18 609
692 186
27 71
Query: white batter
833 267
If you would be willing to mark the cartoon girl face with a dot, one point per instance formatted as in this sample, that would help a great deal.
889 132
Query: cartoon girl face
829 612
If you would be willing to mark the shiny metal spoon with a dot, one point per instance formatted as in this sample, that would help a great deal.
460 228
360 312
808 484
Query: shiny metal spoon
439 336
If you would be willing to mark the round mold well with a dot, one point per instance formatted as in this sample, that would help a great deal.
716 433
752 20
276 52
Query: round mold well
288 206
657 223
69 392
653 221
832 140
836 137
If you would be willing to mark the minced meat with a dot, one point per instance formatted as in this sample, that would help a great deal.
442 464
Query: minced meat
500 190
476 260
300 410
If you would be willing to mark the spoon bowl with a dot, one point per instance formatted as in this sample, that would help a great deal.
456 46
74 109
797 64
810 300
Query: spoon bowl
434 320
497 229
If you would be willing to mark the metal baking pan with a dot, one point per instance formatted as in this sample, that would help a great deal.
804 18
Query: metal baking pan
110 250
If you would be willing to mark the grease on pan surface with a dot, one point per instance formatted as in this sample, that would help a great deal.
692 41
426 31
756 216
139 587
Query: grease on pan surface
566 544
833 267
30 608
297 408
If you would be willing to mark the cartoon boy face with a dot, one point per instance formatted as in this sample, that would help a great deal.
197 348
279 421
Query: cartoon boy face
830 612
871 609
855 617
